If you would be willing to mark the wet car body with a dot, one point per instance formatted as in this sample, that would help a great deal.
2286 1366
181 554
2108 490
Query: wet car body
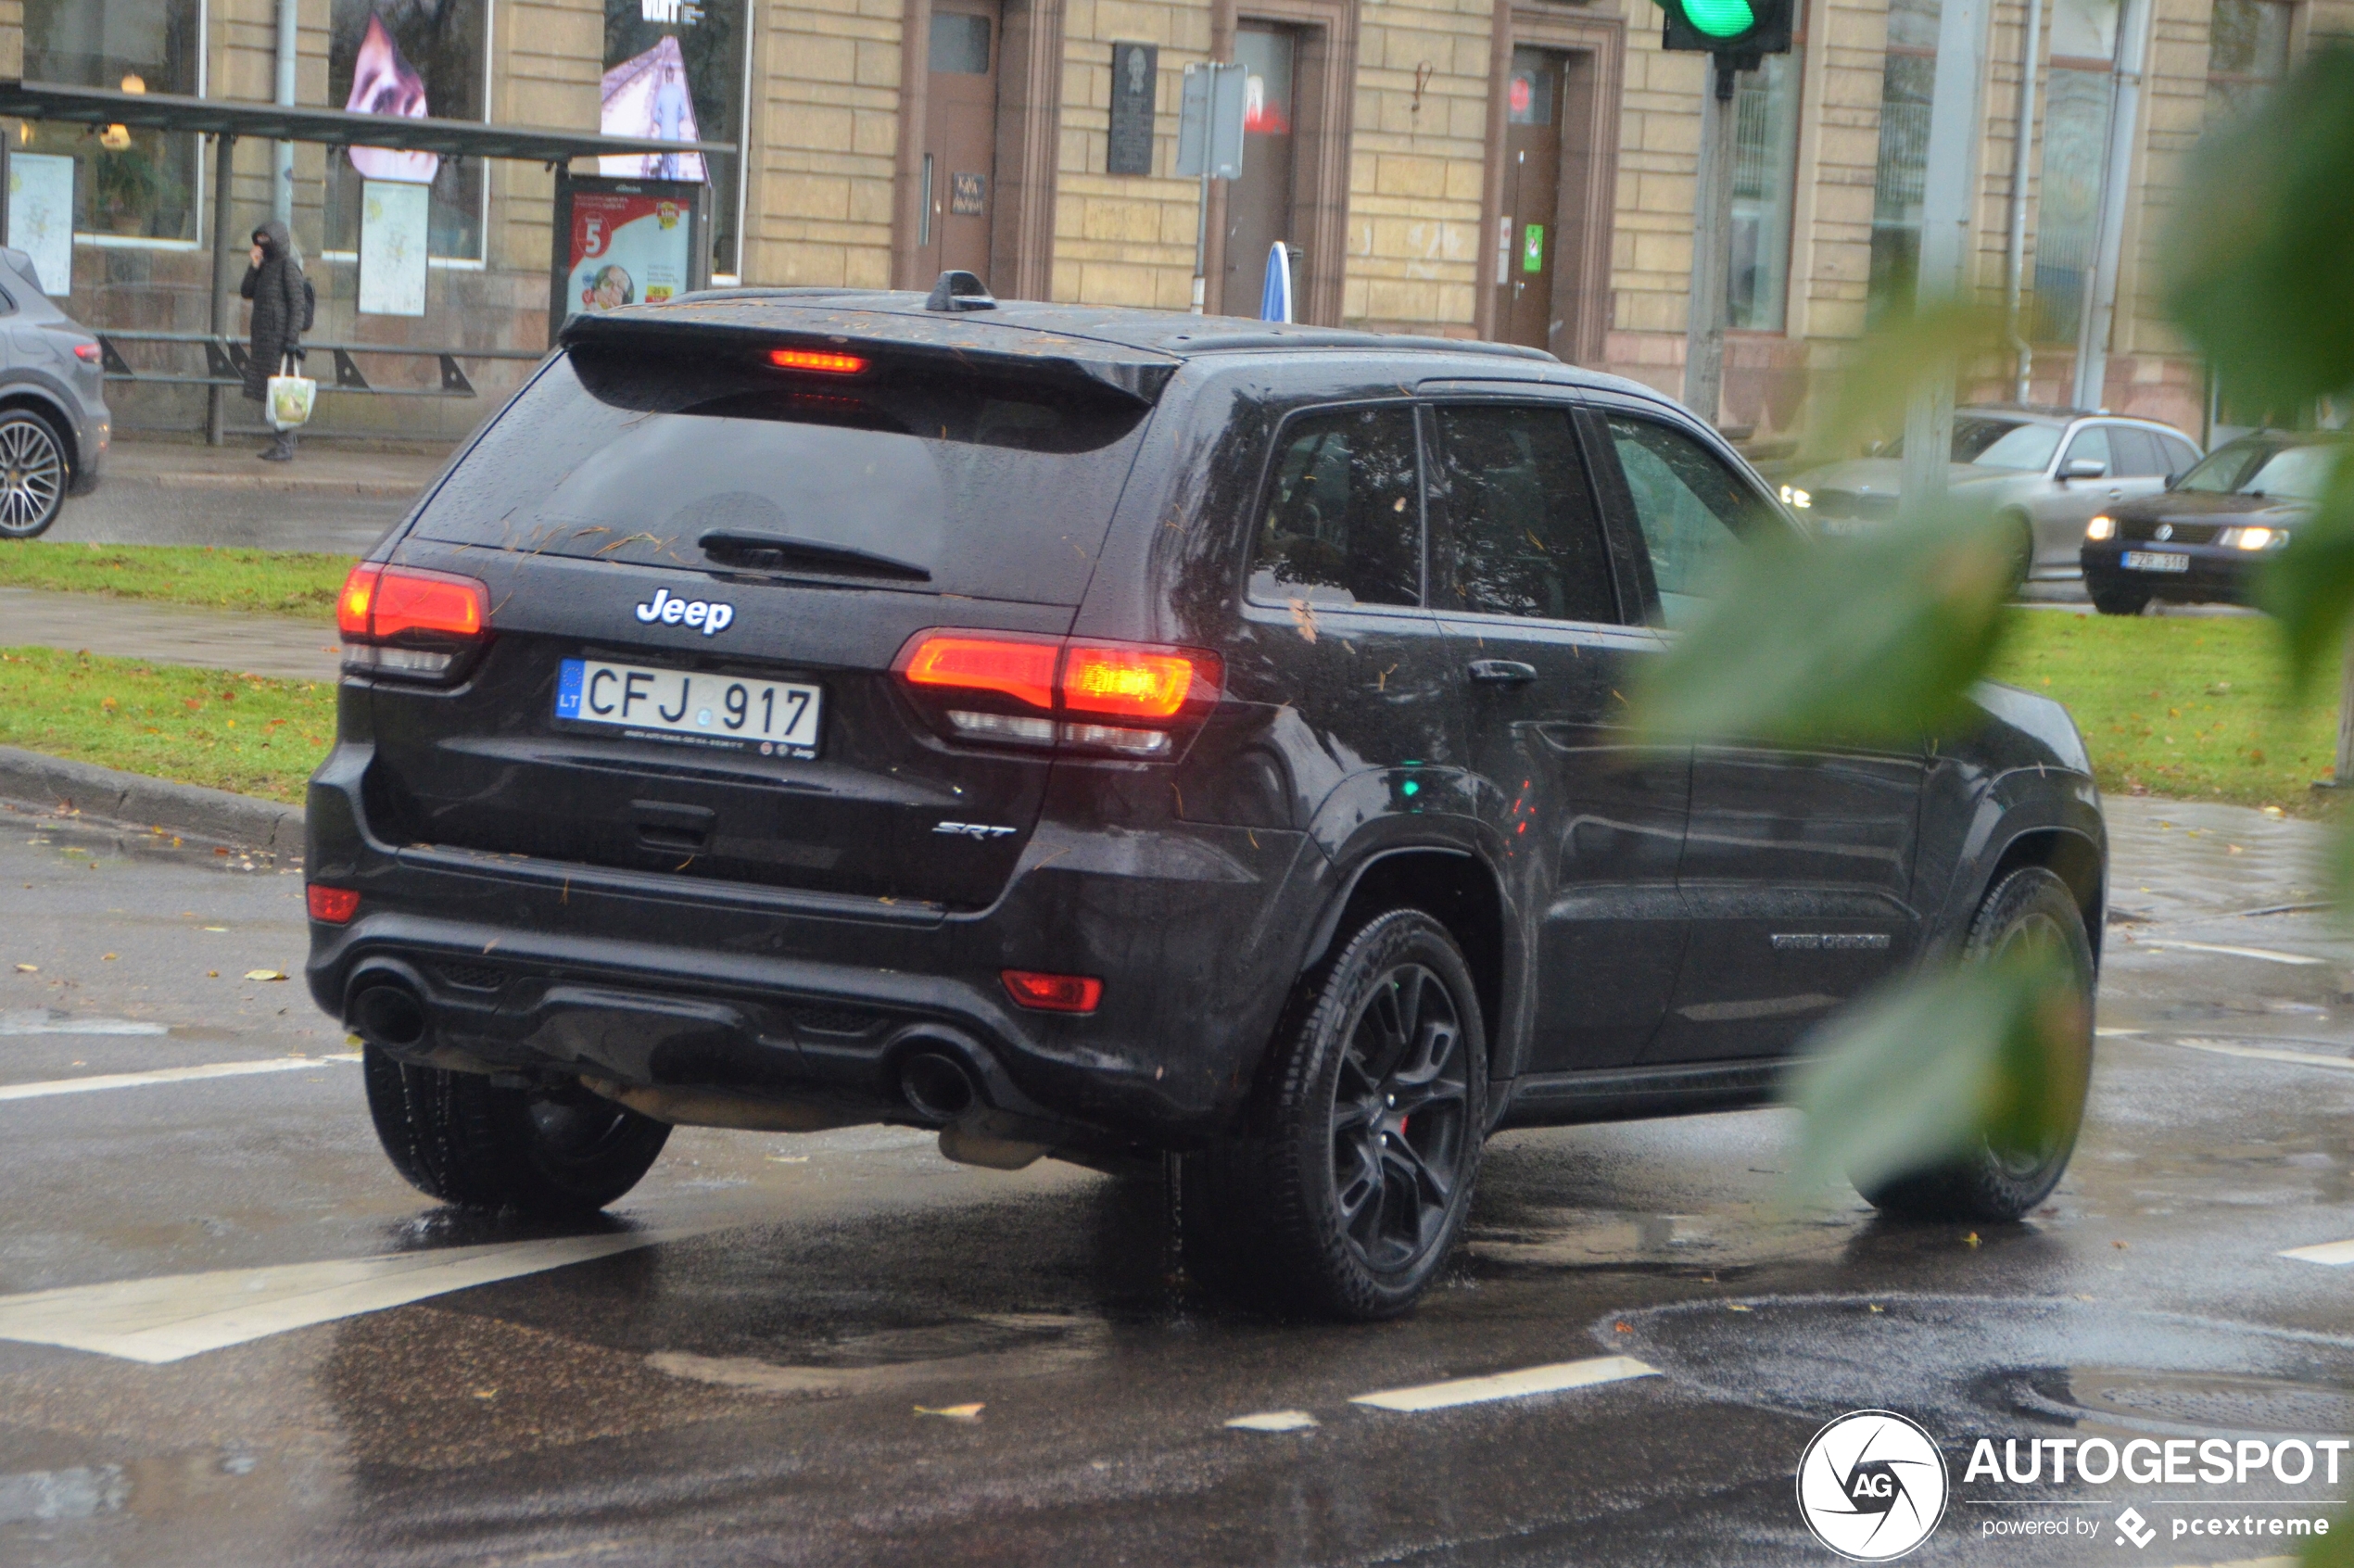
2039 495
2194 544
770 940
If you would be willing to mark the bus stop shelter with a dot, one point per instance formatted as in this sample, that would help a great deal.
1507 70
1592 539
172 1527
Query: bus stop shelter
229 121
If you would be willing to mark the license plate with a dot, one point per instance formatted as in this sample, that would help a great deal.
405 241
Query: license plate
2155 561
773 718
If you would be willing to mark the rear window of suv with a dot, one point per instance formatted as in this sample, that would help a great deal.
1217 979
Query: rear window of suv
997 487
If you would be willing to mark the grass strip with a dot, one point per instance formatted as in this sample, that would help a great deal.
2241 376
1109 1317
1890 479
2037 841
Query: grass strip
241 732
270 582
2189 707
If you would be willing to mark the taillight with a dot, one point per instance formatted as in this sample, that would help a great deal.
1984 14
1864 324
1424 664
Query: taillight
816 359
332 906
1053 994
86 352
1047 691
400 620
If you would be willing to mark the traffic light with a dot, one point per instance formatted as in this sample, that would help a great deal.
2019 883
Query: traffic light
1748 28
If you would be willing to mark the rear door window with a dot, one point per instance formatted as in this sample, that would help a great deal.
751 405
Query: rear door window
1342 523
992 485
1517 530
2136 453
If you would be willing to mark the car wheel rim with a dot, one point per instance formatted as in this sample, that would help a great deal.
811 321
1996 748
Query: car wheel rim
1400 1108
32 475
2033 932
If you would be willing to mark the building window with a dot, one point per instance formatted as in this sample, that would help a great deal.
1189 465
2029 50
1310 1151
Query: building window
2079 88
2247 52
1764 185
1901 179
674 73
127 184
419 59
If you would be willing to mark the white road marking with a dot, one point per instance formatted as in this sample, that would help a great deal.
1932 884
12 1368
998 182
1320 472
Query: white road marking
1274 1421
2338 1255
157 1321
40 1020
162 1075
1519 1384
2118 1034
2268 955
2264 1052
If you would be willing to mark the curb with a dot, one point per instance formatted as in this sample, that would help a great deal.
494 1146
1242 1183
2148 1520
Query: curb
46 783
299 485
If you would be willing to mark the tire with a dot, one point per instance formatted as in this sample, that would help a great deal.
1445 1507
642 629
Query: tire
2022 545
1337 1200
33 473
2028 905
2119 601
457 1138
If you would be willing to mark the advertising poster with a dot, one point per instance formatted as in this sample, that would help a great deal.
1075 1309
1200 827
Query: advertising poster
628 247
674 73
41 217
394 217
416 59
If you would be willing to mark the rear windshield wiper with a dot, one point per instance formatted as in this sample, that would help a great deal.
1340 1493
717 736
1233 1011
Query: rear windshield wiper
752 546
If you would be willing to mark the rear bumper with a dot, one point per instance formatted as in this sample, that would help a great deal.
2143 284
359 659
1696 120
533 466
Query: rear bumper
535 966
2216 576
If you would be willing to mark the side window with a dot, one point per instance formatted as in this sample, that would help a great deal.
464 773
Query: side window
2136 453
2181 456
1692 510
1517 532
1343 522
2092 442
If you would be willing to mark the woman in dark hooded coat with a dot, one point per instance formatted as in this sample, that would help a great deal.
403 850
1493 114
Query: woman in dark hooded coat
274 285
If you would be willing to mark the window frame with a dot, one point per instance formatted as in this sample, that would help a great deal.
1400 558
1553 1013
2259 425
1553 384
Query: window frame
1790 232
1622 581
201 199
1262 496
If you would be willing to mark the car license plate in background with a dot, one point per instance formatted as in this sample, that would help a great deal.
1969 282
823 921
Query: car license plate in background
2154 561
770 716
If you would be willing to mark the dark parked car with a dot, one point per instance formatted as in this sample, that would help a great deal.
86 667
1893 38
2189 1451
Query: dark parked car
1100 734
53 424
2204 540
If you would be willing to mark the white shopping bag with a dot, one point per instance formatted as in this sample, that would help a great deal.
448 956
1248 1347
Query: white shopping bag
291 394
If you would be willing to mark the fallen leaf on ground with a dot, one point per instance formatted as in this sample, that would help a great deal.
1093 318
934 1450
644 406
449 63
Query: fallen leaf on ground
28 968
265 974
953 1412
109 958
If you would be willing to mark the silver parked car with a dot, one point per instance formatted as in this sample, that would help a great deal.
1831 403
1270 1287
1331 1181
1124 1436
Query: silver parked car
53 424
2046 472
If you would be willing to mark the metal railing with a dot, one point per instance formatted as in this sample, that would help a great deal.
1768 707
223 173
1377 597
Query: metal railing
225 361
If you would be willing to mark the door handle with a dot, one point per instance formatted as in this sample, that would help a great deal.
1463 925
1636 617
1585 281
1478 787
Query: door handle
1502 672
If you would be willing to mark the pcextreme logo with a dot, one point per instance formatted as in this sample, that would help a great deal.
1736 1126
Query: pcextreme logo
1872 1485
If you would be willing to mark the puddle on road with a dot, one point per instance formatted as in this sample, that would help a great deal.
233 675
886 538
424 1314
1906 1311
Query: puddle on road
1604 1238
48 1020
997 1346
2170 1402
48 1496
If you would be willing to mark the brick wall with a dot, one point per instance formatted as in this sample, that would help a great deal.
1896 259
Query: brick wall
1416 167
1124 239
826 76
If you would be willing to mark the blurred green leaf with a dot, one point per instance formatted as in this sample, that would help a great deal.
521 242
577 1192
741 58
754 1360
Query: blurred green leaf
1922 1073
2309 587
1871 391
1876 639
2335 1550
2258 247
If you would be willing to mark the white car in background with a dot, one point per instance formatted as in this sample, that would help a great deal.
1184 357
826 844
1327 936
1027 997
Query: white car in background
2046 472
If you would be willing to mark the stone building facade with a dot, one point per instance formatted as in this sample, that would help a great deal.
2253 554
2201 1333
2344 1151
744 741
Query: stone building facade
1392 147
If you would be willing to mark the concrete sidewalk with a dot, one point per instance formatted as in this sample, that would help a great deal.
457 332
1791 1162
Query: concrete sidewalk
329 498
169 634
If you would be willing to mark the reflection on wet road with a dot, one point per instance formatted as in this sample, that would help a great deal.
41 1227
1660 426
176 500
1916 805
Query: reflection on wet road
228 1333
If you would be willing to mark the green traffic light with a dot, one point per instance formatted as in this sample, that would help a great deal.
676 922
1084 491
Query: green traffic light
1720 19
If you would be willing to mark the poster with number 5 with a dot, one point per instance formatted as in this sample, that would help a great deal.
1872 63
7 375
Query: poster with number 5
626 241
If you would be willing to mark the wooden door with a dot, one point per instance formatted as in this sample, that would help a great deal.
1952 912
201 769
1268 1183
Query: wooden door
1527 250
960 139
1260 206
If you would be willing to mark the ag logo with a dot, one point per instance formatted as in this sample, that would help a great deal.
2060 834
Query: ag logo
1871 1486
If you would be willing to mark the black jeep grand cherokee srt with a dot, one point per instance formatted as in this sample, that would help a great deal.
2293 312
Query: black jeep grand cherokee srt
1105 734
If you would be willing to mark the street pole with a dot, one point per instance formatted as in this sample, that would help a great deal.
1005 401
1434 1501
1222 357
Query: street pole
1201 244
1712 244
2100 297
282 181
1949 197
223 170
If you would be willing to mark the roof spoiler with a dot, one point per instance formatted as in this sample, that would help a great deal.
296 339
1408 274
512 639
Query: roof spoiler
954 340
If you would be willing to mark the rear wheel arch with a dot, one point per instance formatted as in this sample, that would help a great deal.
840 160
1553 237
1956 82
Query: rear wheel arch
34 402
1454 887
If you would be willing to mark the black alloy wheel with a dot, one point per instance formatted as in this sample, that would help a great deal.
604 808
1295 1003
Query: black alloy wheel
33 473
2030 908
1351 1180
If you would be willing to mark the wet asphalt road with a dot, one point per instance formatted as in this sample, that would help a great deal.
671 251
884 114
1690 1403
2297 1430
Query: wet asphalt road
751 1383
